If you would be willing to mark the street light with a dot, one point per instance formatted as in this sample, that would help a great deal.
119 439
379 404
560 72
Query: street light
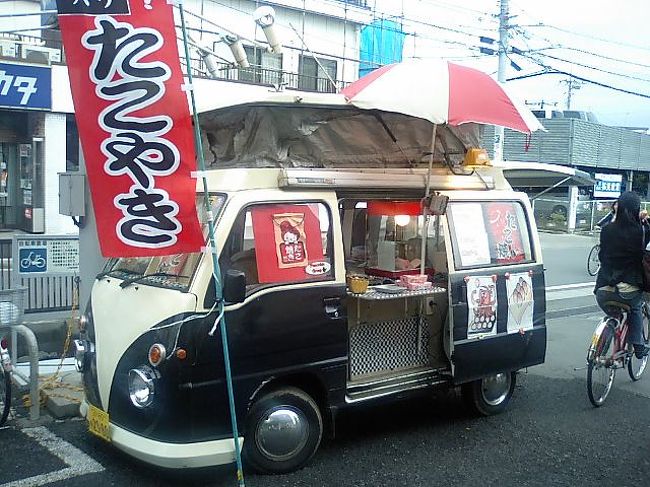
237 49
265 17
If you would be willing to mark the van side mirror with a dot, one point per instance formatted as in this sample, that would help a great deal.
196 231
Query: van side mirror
234 286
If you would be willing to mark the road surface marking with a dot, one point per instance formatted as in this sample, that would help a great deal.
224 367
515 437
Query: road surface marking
570 286
78 462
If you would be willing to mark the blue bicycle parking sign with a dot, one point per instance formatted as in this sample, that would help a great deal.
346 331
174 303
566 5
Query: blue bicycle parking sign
33 259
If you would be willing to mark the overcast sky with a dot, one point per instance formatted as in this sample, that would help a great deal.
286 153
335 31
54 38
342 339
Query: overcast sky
589 32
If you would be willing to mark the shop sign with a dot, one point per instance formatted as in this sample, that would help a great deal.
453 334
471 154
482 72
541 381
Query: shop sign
24 86
134 124
608 186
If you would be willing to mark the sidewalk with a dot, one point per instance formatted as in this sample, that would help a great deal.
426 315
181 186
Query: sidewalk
60 393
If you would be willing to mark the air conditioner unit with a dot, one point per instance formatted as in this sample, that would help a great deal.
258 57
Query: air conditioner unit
41 54
8 48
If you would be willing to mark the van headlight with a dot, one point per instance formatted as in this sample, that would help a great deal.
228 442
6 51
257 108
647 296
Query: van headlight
142 386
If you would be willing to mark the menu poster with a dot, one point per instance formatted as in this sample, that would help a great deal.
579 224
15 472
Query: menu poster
482 301
519 288
505 235
471 237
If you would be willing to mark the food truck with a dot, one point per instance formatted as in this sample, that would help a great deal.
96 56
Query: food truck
353 273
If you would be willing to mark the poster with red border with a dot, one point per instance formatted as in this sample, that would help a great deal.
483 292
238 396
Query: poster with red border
134 124
288 245
504 232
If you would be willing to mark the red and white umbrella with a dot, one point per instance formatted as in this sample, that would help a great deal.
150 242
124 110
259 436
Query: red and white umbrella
441 92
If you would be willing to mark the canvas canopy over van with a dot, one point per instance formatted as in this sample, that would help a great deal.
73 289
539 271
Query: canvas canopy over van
344 287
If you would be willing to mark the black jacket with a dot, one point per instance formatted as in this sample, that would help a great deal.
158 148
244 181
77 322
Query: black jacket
621 252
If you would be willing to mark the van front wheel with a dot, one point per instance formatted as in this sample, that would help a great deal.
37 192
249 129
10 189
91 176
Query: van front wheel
490 395
283 431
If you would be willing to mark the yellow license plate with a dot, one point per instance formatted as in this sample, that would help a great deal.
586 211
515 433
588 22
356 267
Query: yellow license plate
98 423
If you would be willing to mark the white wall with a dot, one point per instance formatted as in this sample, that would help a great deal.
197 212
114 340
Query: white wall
23 22
328 37
55 150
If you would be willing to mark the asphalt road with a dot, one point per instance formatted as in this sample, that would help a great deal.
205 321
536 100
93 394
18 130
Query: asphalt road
565 257
550 436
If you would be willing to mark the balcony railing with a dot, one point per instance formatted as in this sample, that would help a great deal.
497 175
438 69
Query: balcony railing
356 3
269 77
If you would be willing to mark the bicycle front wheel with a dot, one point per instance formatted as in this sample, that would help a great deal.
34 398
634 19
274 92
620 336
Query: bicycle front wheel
5 395
593 264
600 368
635 366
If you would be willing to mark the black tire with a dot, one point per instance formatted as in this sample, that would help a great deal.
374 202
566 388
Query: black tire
484 398
593 263
5 396
635 366
303 431
600 373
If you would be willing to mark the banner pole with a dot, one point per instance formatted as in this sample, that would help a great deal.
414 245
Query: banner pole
213 247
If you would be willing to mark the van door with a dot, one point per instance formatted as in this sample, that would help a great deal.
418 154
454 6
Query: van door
293 319
496 279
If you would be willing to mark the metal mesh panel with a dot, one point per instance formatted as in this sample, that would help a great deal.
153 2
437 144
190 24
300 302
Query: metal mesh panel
388 346
12 305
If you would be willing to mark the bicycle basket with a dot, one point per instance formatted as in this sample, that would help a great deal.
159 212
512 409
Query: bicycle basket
12 305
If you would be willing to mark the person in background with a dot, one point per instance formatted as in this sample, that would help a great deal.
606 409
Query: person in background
620 277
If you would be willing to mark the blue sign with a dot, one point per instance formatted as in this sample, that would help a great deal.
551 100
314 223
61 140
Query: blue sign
25 86
32 259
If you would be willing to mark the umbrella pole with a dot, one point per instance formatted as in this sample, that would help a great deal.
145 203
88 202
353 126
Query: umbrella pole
425 213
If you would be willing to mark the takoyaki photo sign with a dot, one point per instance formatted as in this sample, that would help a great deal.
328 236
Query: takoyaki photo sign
288 243
519 288
482 301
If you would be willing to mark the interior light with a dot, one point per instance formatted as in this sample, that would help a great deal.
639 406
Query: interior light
402 220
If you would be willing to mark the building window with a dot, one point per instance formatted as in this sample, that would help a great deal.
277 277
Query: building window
313 77
265 67
72 144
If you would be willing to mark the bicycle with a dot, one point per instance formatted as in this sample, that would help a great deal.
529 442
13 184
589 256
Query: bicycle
609 351
593 262
5 380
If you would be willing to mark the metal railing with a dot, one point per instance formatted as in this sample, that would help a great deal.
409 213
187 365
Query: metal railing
269 77
553 213
47 291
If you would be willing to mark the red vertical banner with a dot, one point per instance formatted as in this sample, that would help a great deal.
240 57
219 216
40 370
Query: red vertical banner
134 124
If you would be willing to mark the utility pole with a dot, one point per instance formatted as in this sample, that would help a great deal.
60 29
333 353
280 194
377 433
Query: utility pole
501 73
571 84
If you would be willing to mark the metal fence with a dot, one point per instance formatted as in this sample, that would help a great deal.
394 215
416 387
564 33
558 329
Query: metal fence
47 266
553 213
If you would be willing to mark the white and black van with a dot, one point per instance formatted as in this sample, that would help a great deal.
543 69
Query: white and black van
355 290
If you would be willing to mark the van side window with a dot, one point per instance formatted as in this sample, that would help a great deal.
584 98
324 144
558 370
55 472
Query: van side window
489 234
280 243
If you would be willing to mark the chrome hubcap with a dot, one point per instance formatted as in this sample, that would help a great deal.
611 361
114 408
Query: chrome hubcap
495 389
282 433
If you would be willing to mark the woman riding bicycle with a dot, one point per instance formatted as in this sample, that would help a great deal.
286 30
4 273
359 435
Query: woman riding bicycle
620 277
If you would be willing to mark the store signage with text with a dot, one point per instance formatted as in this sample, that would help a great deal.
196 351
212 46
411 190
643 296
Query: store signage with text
24 86
135 125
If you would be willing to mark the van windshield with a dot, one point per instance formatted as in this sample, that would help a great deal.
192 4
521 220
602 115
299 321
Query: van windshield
171 271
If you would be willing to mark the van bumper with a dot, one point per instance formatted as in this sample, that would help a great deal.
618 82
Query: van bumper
172 455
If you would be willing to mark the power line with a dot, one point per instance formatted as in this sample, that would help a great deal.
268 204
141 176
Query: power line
589 67
550 70
587 36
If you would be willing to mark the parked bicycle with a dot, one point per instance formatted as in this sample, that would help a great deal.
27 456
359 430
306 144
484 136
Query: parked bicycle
610 351
5 380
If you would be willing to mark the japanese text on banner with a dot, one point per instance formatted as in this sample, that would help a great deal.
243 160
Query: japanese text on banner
134 124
